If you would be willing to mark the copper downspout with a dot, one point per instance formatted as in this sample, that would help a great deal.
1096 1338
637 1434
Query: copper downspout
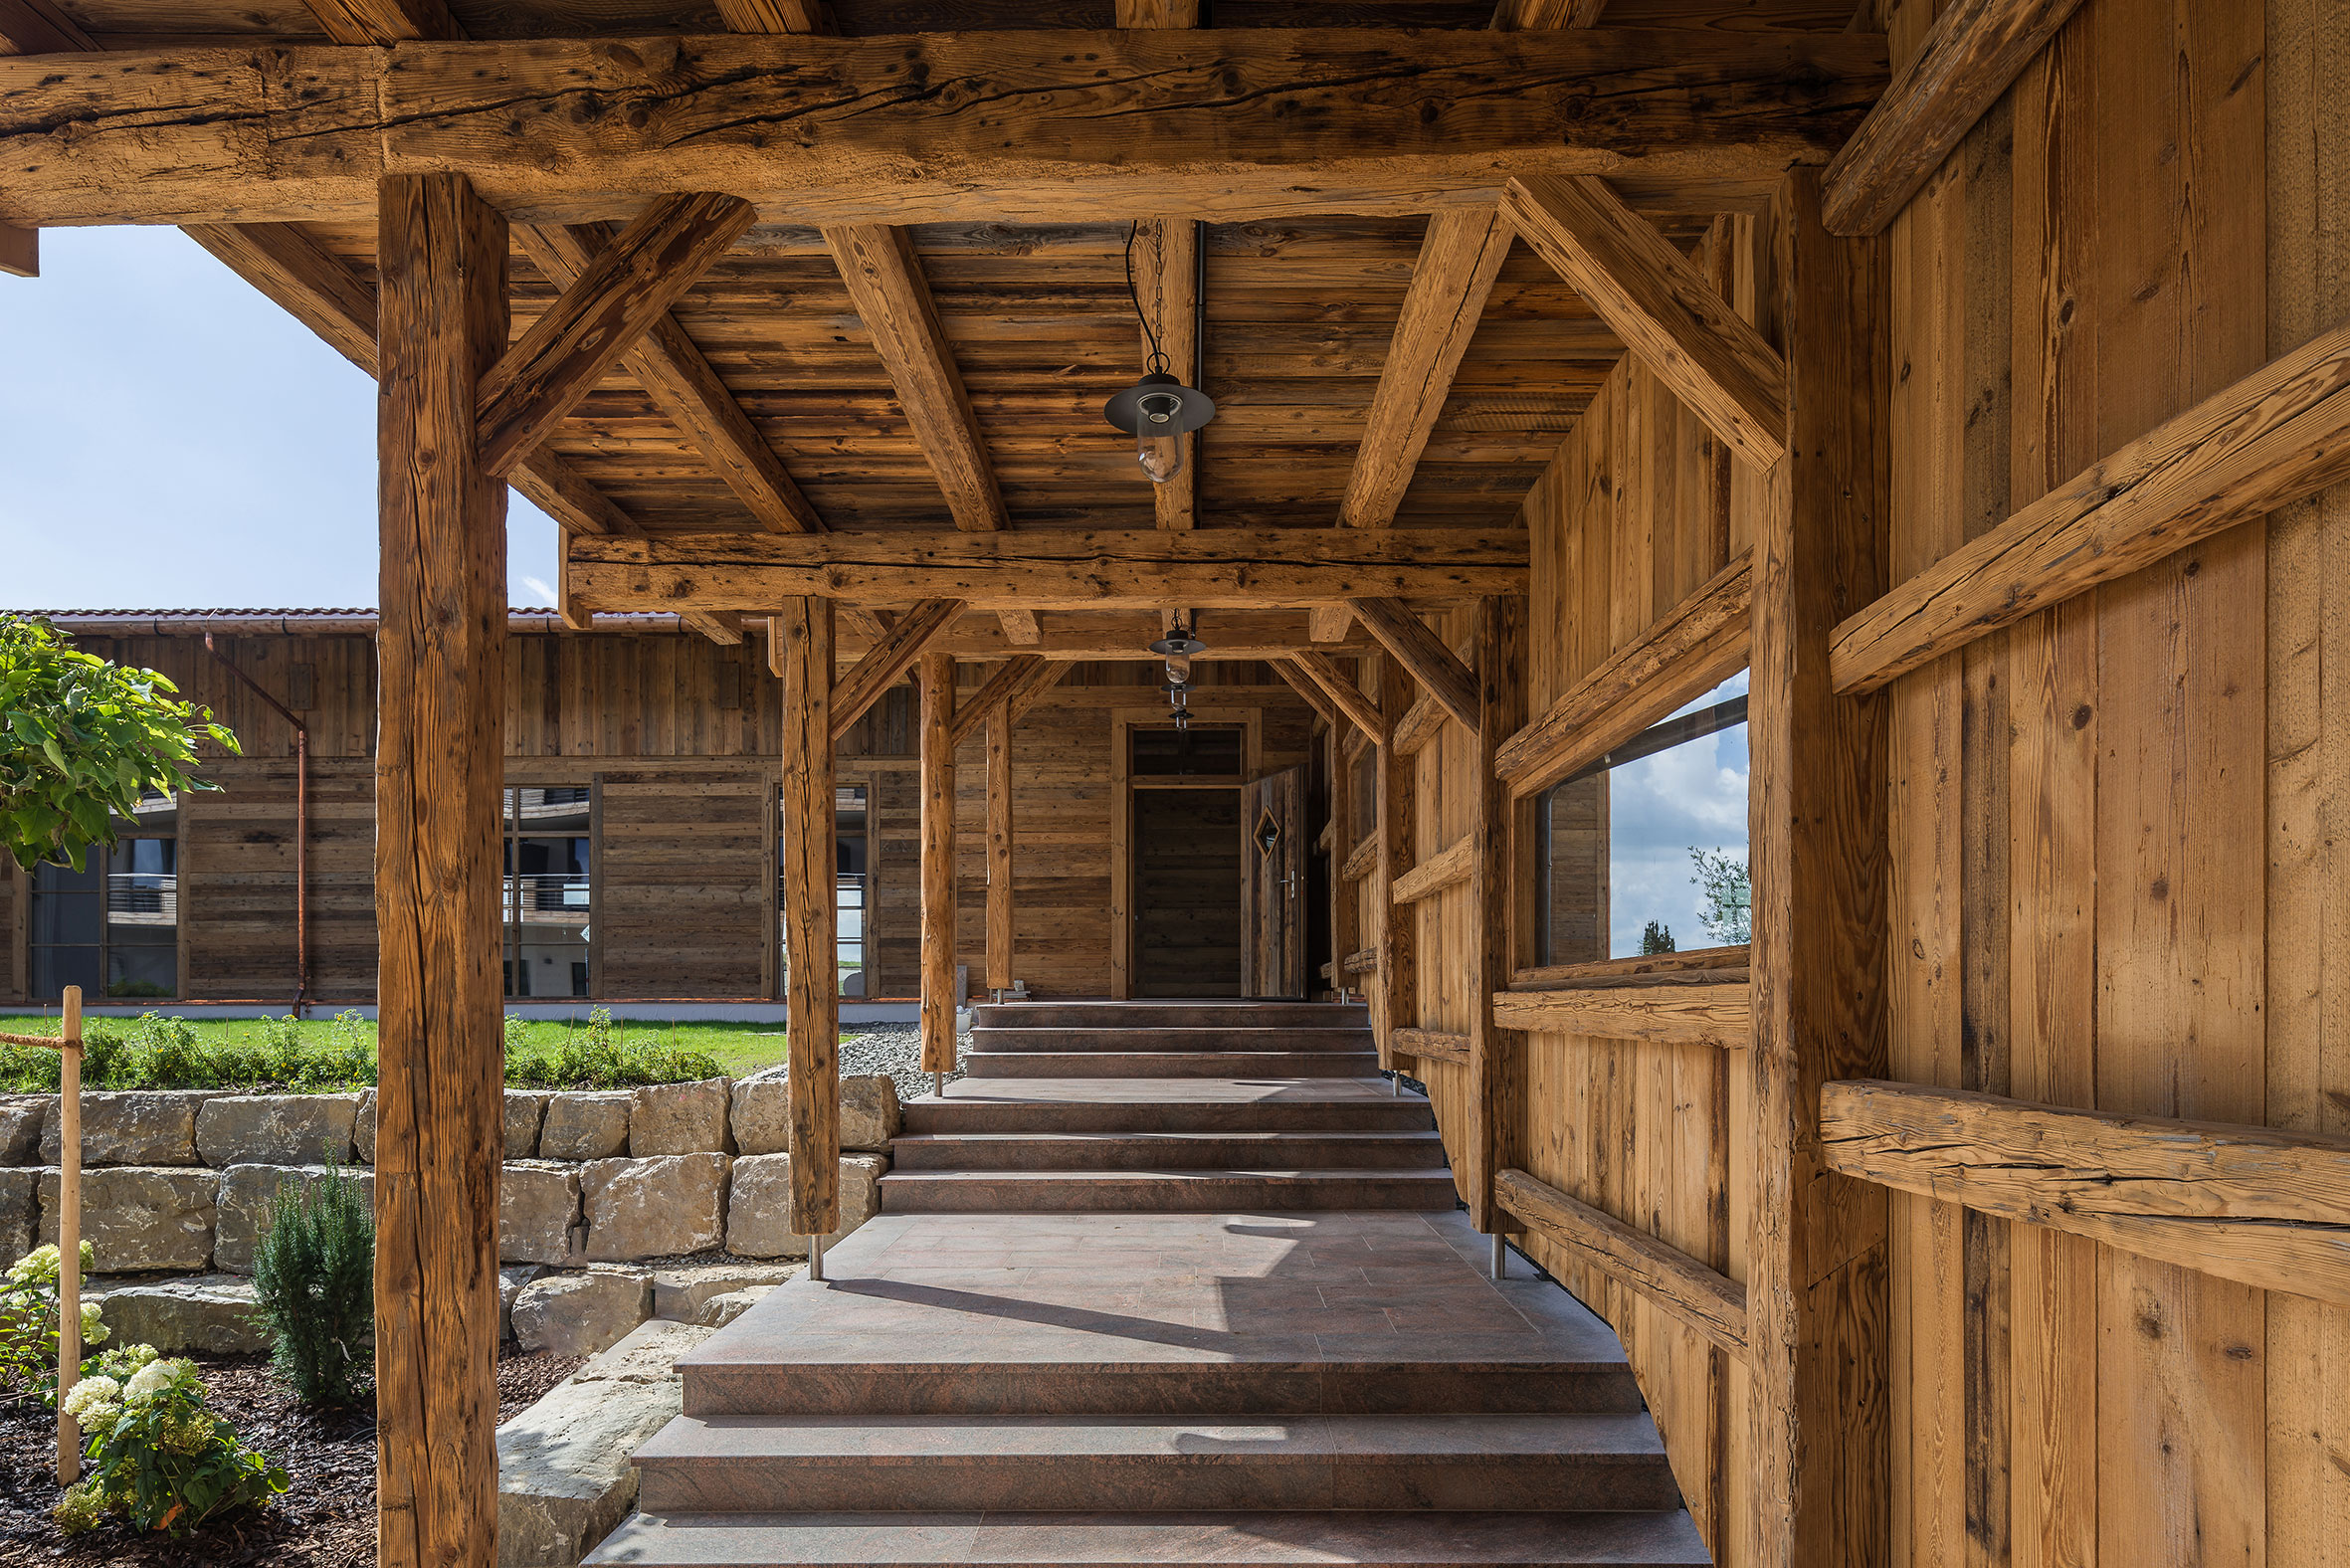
301 829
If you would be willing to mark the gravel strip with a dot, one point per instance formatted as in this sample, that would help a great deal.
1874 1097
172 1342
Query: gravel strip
894 1048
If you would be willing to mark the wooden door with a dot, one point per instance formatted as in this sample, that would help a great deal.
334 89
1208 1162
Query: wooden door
1272 885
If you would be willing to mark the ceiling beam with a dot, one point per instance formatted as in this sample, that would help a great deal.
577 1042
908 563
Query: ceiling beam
1342 691
1530 16
1328 623
1310 690
1167 281
1419 649
775 16
1972 54
1213 123
37 27
1121 634
972 711
1046 569
1459 257
630 285
886 661
1668 315
1032 689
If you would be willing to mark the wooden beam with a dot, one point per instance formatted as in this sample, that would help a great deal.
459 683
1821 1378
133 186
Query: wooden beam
980 706
1425 1045
911 638
1309 689
625 289
1421 724
1460 256
1208 568
800 654
680 380
724 628
1342 690
1362 963
1249 636
1513 16
1019 627
439 769
938 864
1363 859
20 251
775 16
1000 926
1167 279
1973 54
1032 689
2278 435
893 300
1396 999
2267 1207
1447 868
1422 651
1327 623
1672 320
1158 13
1304 121
1704 1298
1716 1013
1817 1252
1700 643
1496 1092
383 21
37 27
1347 911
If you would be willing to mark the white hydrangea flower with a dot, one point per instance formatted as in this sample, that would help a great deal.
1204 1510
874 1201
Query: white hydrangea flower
91 1393
151 1378
94 1328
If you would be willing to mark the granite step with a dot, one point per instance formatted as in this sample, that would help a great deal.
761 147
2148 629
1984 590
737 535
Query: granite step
1047 1107
1296 1538
1166 1190
1168 1064
1090 1464
1168 1015
1002 1038
1416 1149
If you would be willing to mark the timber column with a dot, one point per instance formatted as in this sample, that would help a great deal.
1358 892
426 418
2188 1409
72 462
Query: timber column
800 654
938 862
999 847
439 768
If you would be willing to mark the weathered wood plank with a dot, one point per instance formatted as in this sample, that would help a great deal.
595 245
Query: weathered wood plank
1974 53
1363 859
1423 1044
1366 961
1214 123
1460 256
627 287
1206 568
1447 868
1019 627
910 639
938 864
799 653
439 770
2274 438
1000 911
1693 650
776 16
1496 1074
1167 258
1341 689
980 706
1422 722
1677 323
1403 634
1717 1013
1395 952
1704 1298
1246 635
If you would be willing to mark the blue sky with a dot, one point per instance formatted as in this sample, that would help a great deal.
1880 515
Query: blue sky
1659 807
174 440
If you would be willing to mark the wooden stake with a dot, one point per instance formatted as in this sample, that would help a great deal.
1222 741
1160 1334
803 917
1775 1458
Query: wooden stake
938 864
68 1236
439 773
799 653
999 847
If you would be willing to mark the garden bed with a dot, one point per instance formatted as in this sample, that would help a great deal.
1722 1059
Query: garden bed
326 1520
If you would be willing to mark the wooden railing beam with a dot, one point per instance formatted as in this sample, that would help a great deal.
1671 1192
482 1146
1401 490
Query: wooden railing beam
1446 678
1696 1013
1700 1296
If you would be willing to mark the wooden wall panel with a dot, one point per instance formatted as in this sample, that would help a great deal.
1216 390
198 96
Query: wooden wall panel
237 885
684 882
15 908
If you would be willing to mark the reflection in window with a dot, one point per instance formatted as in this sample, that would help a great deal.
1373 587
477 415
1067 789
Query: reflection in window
112 929
1644 850
549 890
852 892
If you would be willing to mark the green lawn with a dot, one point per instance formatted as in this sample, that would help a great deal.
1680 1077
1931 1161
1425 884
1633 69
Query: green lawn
167 1051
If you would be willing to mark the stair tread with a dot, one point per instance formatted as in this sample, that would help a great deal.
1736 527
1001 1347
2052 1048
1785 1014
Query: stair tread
1184 1135
1180 1173
1273 1539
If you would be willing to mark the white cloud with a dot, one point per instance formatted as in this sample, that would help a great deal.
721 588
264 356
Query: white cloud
545 594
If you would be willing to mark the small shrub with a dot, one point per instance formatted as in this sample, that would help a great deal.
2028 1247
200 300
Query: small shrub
160 1458
313 1280
29 1302
174 1056
602 1057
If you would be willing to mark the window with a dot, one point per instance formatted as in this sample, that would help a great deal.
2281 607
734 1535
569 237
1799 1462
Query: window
112 929
549 890
851 891
1201 752
1645 851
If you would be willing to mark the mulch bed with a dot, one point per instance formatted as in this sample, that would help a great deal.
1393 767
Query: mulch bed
326 1520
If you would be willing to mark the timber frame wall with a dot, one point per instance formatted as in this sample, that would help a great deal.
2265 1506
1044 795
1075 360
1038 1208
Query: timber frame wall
1990 1208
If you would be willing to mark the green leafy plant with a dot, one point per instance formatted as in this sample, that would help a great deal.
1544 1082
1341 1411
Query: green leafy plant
1722 878
82 740
601 1055
30 1295
314 1280
160 1458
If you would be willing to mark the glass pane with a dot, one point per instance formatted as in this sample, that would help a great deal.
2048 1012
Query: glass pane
549 890
67 916
55 968
142 971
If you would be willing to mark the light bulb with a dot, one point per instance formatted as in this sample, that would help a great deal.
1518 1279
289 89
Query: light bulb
1161 457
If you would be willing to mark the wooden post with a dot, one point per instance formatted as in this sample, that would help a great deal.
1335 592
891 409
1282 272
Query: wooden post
1345 895
1816 1275
1493 1078
938 864
800 654
1398 980
999 847
439 770
69 1234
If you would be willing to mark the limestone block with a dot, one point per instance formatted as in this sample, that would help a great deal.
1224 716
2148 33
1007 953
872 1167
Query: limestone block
363 1128
869 1112
586 1124
21 1119
654 1208
758 1225
680 1290
141 1219
525 1108
247 1193
762 1115
210 1313
133 1127
275 1129
537 1205
564 1480
19 1205
720 1311
578 1314
680 1118
510 1280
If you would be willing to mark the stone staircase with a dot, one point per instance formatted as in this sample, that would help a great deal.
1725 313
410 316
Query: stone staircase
1109 1319
1173 1108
